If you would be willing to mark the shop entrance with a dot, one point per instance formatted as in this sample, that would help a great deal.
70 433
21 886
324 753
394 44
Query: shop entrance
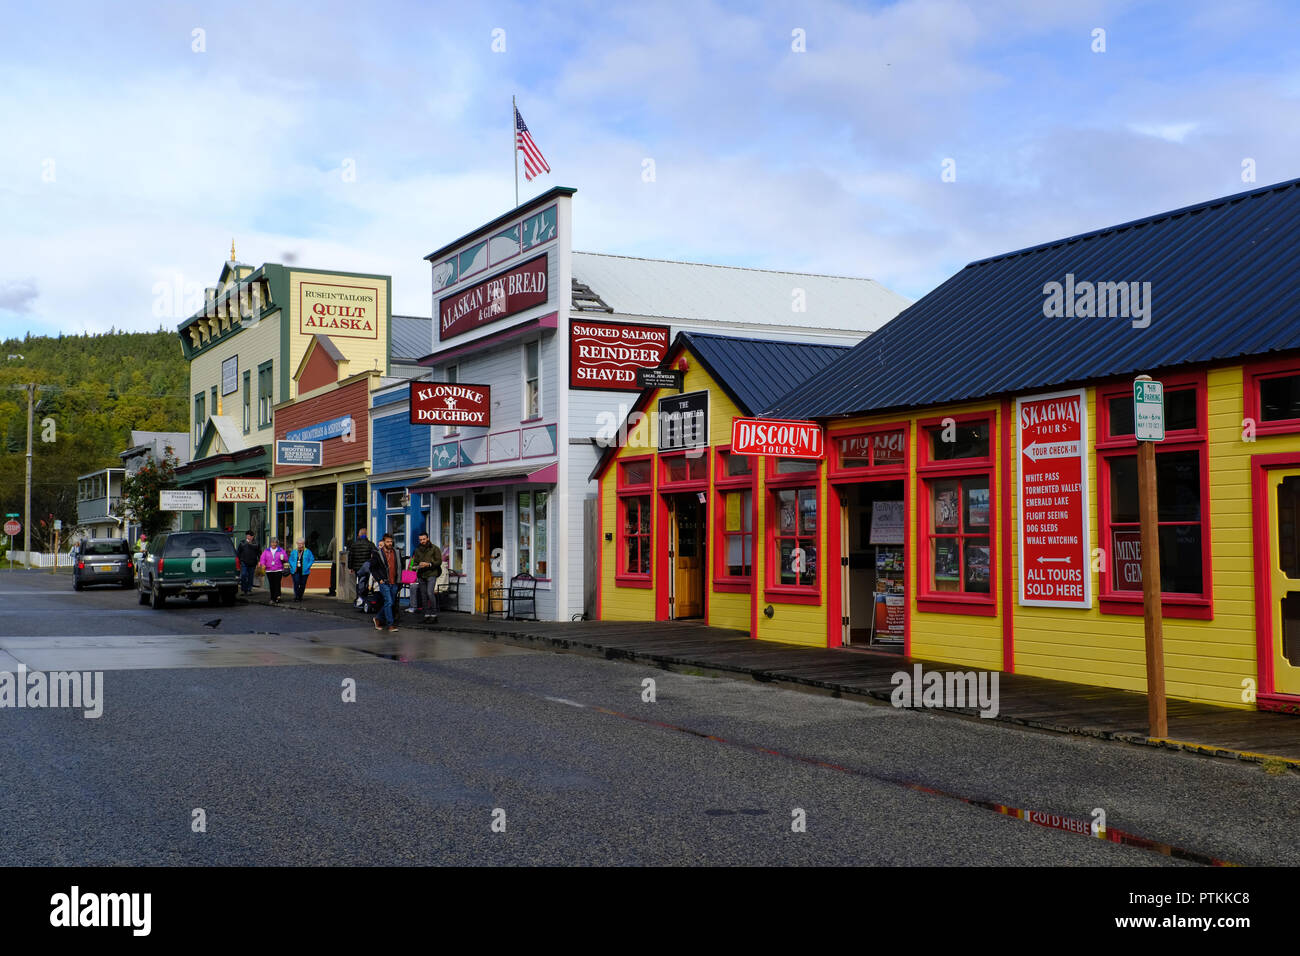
489 556
688 530
1284 577
872 569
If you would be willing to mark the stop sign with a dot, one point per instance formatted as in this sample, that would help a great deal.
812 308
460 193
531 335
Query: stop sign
12 528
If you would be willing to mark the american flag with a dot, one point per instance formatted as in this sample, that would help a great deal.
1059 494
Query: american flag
534 163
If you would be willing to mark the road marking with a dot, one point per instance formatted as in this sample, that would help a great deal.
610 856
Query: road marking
565 700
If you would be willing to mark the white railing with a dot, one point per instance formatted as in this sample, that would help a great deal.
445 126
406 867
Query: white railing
39 559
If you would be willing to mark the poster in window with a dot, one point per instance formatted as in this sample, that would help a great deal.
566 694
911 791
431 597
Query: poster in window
977 567
947 507
946 566
977 500
886 523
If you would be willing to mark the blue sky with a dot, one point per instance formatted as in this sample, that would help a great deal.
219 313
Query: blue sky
130 160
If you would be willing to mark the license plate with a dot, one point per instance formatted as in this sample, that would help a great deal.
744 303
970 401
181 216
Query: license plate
104 567
201 583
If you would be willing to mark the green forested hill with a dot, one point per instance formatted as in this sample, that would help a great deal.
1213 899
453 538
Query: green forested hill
99 388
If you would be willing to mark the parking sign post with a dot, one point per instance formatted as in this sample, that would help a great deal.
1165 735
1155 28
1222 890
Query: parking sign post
1148 428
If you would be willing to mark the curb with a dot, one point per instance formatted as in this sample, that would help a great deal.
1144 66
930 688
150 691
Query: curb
792 682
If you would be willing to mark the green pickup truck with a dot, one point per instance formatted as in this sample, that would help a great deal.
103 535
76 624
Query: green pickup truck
189 564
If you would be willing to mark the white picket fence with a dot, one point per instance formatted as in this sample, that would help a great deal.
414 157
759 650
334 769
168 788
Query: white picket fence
40 560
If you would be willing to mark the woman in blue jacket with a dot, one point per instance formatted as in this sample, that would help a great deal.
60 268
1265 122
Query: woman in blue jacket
300 562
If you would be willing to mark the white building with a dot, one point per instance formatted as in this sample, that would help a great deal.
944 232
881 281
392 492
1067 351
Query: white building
555 336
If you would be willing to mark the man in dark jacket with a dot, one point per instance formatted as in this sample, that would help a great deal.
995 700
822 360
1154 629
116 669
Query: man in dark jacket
386 572
358 564
248 554
428 568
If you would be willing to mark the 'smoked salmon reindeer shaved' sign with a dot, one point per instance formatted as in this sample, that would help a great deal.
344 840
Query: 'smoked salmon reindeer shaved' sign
443 403
770 436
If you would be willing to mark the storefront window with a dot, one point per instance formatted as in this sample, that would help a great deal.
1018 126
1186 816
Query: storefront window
636 534
452 512
876 449
1181 494
796 535
1279 398
960 535
738 532
1272 398
354 510
685 467
734 466
959 440
284 518
634 472
318 521
532 522
265 394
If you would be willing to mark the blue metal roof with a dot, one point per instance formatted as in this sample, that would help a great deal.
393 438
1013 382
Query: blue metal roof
756 372
1224 282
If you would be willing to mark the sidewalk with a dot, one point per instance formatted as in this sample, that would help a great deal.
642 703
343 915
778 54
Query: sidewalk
1024 701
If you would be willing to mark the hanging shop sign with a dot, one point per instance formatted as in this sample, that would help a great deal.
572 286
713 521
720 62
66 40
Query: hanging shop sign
769 436
1051 444
306 453
660 378
180 501
493 299
684 421
241 489
334 428
443 403
611 355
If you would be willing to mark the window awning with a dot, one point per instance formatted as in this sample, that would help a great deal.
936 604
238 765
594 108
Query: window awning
456 480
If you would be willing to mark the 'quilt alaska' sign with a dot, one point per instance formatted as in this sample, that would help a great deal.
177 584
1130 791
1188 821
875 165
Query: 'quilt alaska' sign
337 310
493 299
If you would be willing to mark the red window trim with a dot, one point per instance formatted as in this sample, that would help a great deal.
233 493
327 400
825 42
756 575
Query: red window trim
724 484
838 471
669 486
1182 381
1254 373
622 577
927 470
792 593
1111 601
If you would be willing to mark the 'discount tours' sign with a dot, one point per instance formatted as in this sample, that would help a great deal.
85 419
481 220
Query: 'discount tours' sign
1052 440
770 436
606 355
493 299
443 403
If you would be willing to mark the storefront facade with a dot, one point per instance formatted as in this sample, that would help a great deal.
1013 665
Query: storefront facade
263 336
690 529
1023 555
551 339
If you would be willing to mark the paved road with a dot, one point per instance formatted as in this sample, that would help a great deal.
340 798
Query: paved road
246 721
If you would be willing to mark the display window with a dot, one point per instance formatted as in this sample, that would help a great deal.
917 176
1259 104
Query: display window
957 514
734 519
1272 396
875 451
1182 494
793 489
635 481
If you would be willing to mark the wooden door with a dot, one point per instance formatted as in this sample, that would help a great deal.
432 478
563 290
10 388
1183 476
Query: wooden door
489 560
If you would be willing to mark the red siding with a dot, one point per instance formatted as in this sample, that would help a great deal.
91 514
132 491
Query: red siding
352 399
319 371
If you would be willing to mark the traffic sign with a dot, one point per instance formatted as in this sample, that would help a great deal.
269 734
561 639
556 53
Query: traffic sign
12 528
1148 410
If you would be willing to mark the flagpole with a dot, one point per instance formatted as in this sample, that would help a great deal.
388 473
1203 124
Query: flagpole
514 145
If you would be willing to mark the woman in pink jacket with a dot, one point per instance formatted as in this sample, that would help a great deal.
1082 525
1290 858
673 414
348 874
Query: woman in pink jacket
273 562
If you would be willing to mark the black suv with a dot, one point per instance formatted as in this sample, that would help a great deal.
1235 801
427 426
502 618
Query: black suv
103 561
189 564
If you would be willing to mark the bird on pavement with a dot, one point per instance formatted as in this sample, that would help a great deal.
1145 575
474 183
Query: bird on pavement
216 622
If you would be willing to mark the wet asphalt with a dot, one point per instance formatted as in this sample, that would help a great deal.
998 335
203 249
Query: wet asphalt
246 721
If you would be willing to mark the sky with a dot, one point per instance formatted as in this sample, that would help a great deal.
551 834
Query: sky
896 141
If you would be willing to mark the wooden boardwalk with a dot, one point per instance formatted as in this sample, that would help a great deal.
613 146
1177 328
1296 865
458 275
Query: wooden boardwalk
1027 701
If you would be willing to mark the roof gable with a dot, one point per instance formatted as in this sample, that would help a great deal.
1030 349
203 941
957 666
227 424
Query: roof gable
1218 280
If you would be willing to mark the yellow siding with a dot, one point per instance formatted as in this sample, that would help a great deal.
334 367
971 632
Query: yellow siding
363 354
254 345
622 603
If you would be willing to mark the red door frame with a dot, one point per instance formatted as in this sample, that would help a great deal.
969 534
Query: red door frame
1267 697
835 593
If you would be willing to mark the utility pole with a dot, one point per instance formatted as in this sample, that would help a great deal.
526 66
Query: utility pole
27 495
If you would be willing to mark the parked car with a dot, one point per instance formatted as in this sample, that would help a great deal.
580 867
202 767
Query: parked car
103 561
189 564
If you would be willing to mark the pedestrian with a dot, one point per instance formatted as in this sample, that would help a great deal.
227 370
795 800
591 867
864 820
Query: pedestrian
359 564
300 562
248 555
428 568
273 562
385 571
